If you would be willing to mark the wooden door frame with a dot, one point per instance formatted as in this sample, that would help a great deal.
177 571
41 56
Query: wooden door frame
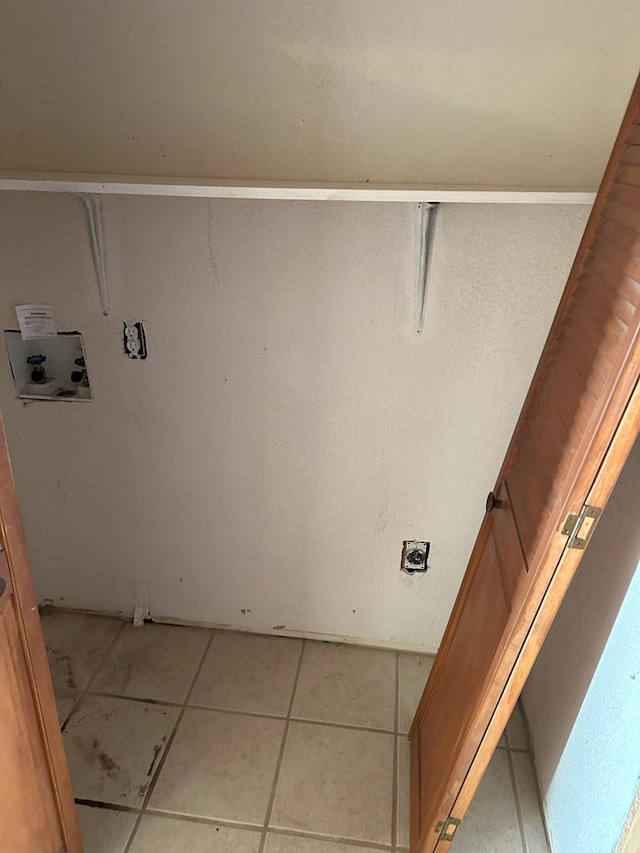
28 617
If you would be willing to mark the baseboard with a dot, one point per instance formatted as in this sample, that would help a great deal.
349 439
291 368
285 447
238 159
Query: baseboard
275 631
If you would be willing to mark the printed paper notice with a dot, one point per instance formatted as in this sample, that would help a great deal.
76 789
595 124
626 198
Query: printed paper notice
36 321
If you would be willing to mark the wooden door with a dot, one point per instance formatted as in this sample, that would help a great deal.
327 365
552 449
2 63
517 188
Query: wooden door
38 812
578 424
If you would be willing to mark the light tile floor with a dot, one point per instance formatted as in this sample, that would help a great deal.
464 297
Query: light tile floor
185 739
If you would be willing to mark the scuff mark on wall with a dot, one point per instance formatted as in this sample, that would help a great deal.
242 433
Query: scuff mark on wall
212 258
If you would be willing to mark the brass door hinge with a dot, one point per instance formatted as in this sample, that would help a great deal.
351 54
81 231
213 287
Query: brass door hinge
446 829
579 527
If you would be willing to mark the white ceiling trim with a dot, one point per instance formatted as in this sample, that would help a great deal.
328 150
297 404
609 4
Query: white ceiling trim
218 188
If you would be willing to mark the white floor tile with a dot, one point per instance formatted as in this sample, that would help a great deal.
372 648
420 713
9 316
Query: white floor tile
414 671
170 835
248 672
76 644
105 830
529 804
296 844
336 782
347 684
220 766
491 823
113 747
152 662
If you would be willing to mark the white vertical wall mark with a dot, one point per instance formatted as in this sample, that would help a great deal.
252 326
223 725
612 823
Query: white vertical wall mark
95 216
426 221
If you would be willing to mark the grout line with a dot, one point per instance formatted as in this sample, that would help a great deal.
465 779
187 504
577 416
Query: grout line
241 712
394 785
285 736
169 744
335 839
539 799
83 690
208 821
104 657
332 725
238 711
101 804
146 701
76 702
516 796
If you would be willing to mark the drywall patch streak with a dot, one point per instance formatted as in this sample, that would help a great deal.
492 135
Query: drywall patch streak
286 413
212 257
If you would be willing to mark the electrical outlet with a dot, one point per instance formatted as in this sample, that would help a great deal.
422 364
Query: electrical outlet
135 342
414 556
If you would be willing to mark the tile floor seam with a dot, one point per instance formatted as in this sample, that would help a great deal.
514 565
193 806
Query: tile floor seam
208 821
104 657
539 797
311 722
335 839
283 745
128 698
103 804
516 797
76 702
84 689
239 712
170 740
394 785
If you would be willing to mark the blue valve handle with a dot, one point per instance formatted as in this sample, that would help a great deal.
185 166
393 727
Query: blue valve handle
36 359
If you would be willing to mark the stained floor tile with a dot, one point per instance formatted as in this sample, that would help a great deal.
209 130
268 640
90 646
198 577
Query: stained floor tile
414 671
491 823
220 766
348 685
113 747
169 835
336 782
336 779
152 662
248 672
76 644
104 830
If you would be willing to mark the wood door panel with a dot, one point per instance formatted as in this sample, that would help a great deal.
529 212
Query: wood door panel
581 412
38 811
592 354
632 155
33 818
512 564
456 692
616 257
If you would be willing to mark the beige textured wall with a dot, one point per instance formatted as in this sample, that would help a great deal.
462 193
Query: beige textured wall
288 429
499 92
